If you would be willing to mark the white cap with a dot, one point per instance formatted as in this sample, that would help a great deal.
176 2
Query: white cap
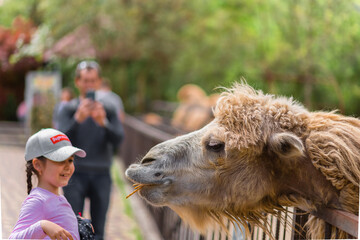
51 144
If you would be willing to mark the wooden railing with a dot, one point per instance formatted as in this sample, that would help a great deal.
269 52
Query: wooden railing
343 220
140 137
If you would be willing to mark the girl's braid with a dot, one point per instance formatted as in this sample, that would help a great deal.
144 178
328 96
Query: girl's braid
29 172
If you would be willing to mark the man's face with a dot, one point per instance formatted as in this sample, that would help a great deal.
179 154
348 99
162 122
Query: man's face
88 80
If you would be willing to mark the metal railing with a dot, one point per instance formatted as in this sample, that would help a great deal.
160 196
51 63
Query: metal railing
140 137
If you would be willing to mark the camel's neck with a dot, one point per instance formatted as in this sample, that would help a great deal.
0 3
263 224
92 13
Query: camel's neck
307 182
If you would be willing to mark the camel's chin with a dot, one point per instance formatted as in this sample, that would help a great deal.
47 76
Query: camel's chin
153 196
198 218
153 193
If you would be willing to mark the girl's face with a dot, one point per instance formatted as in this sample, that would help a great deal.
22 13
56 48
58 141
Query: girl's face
53 175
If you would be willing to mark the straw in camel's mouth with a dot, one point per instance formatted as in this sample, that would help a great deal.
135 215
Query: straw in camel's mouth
137 187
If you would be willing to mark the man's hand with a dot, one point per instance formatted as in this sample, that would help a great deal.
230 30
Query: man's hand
84 110
98 114
54 231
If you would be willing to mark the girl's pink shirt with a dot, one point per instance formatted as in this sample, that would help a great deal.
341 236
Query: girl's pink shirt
44 205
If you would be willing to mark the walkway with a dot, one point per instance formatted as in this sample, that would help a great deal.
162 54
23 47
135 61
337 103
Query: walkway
121 222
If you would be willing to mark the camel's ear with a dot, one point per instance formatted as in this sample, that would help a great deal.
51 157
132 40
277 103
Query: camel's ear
286 145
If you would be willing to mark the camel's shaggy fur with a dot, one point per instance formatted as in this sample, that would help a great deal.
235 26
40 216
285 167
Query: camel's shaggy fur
260 153
332 141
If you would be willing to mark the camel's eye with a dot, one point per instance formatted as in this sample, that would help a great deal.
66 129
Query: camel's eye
215 146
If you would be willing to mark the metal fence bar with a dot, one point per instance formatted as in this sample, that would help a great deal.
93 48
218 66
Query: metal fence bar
300 218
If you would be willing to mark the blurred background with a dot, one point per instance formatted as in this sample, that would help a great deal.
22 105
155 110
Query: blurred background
149 49
166 59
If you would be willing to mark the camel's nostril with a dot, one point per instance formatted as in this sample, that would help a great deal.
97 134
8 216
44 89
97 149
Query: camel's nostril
147 160
158 174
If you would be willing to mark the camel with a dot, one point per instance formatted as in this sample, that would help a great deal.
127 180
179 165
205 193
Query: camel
194 110
259 154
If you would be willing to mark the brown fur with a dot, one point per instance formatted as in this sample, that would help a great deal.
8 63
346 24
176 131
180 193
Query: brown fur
195 108
332 141
275 154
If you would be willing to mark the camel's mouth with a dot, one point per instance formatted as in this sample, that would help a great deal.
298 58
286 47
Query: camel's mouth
151 184
145 183
155 184
137 187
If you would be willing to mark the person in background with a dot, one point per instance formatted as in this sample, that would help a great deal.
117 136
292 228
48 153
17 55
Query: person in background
94 126
66 95
105 93
21 112
45 213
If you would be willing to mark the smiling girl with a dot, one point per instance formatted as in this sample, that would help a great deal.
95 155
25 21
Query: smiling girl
45 213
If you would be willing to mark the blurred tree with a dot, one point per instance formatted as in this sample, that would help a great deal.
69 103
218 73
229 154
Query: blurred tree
149 49
305 49
28 9
12 73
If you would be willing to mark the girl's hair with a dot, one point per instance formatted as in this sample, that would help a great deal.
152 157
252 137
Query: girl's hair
29 172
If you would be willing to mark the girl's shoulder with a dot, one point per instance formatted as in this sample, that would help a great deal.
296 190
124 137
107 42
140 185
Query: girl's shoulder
39 200
35 198
40 195
33 204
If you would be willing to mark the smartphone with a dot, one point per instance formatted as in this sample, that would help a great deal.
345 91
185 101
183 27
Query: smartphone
90 94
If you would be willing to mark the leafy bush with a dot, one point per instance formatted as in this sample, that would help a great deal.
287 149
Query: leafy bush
149 49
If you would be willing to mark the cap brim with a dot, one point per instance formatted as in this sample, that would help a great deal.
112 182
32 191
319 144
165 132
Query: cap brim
64 153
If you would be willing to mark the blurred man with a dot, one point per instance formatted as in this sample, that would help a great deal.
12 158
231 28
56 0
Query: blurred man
95 127
105 93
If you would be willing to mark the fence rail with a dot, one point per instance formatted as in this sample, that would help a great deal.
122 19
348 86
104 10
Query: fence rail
140 137
343 220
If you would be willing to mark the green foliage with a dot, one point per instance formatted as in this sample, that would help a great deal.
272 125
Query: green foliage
10 9
29 9
149 49
63 16
40 41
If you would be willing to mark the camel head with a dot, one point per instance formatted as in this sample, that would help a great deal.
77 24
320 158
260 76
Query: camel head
251 159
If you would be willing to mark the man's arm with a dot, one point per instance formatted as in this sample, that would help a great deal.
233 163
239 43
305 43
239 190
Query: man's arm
114 128
106 116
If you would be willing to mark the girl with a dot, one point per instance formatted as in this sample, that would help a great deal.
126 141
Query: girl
45 213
